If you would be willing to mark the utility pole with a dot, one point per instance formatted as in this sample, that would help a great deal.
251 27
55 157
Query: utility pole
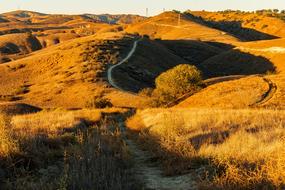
146 12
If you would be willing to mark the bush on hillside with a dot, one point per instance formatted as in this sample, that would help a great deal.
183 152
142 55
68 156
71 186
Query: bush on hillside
176 82
98 102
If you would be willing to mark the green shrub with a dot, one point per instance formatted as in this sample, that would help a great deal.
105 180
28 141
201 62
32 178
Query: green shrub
176 82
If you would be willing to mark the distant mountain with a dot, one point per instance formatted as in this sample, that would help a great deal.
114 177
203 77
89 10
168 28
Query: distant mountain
116 19
22 15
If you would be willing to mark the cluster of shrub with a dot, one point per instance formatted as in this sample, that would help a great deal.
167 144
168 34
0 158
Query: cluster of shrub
182 80
268 12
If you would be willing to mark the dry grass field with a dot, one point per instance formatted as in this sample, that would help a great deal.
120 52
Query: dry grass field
228 149
235 94
56 72
63 150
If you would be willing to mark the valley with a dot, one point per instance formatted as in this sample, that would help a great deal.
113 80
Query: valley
180 100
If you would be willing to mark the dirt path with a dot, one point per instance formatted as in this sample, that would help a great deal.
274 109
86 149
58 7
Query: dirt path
265 50
148 171
109 72
267 95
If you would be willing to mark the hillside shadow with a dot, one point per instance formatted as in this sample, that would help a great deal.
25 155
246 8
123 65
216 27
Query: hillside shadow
235 62
235 28
213 59
9 48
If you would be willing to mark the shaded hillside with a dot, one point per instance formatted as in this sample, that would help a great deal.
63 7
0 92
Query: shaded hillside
13 46
273 50
150 59
195 52
259 57
247 26
172 26
235 62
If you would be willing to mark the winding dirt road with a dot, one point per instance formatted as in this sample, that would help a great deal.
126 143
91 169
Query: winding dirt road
110 70
264 50
268 94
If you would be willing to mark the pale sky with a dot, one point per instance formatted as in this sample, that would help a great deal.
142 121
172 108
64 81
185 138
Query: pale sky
134 6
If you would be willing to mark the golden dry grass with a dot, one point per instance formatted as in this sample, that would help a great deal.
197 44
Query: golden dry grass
234 149
7 145
239 93
278 99
48 149
274 26
165 26
67 75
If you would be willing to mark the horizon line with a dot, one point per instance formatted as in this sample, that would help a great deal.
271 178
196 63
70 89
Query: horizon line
119 13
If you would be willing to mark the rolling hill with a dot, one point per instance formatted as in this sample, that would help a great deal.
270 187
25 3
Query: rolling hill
22 32
247 25
67 75
173 26
153 57
78 91
174 39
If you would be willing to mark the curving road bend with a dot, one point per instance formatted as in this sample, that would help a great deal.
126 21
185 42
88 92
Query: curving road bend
267 96
110 70
264 50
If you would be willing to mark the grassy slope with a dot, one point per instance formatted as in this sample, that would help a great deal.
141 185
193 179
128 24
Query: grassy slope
165 26
241 93
67 75
236 62
262 23
44 30
232 94
152 57
228 149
